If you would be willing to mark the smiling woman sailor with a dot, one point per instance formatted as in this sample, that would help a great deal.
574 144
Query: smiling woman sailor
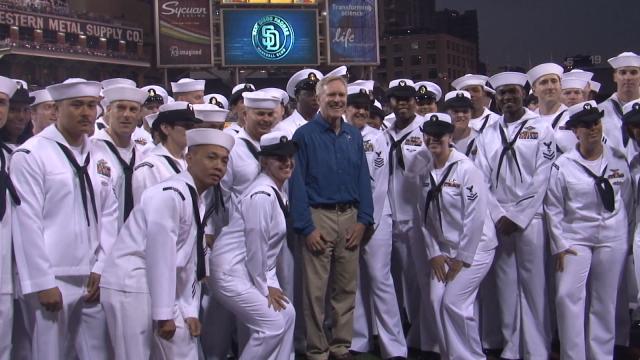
589 196
460 238
243 259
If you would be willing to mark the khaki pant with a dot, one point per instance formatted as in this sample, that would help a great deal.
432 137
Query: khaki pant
333 225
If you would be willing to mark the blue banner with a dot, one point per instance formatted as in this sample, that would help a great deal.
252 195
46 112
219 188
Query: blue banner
269 37
352 34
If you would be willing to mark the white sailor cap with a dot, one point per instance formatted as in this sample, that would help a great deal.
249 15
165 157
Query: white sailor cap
124 93
170 99
210 113
151 118
153 90
204 136
243 86
284 97
187 85
176 105
594 85
423 87
539 71
357 90
40 96
260 100
508 78
578 74
366 84
339 71
625 59
73 88
217 100
8 86
574 83
304 79
117 81
469 80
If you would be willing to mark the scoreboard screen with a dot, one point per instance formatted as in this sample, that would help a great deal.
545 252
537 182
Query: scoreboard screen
269 37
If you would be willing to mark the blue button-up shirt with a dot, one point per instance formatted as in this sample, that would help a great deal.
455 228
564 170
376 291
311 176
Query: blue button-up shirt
330 168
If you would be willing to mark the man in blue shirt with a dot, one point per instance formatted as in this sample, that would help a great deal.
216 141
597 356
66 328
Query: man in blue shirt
331 207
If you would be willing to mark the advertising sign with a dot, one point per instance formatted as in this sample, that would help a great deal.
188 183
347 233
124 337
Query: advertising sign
352 32
269 37
183 33
41 21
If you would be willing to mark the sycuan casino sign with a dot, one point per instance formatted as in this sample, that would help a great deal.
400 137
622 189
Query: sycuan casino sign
183 33
69 25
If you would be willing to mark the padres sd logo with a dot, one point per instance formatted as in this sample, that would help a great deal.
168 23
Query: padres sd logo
272 37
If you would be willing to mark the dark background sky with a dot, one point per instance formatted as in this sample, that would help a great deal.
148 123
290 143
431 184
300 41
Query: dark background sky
520 32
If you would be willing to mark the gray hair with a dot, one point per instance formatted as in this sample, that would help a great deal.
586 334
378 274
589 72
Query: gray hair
328 79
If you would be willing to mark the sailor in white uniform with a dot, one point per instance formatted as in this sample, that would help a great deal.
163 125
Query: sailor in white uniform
589 209
515 154
103 118
151 283
236 108
115 146
376 302
167 158
545 80
243 259
626 75
427 96
43 111
458 105
188 90
460 239
8 199
68 223
395 150
242 169
302 87
481 118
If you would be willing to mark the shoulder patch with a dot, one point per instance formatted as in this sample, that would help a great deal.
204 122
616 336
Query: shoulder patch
260 192
143 164
21 150
171 188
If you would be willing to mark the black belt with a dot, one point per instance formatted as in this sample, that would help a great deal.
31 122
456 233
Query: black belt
339 207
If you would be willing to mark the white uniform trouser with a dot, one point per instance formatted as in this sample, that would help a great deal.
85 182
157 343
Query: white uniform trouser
270 332
6 325
129 321
79 329
453 305
521 260
375 265
602 266
410 252
182 346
